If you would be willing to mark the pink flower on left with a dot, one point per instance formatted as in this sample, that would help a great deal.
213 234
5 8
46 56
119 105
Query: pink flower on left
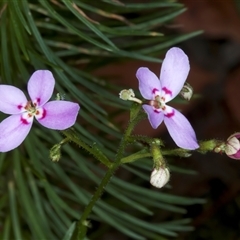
57 115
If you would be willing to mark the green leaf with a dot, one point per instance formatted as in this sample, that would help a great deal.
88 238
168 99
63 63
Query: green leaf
69 232
14 211
80 15
26 201
5 55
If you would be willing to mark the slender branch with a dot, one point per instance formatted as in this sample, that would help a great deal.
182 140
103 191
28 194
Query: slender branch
71 135
81 228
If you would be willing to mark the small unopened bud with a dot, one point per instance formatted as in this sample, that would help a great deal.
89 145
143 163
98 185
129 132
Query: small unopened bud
159 177
55 153
211 145
187 91
60 96
232 148
129 95
126 94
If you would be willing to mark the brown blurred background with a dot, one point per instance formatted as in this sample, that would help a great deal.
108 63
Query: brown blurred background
215 74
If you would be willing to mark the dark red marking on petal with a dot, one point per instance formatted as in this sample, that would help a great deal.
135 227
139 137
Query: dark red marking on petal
169 115
156 111
38 100
19 107
24 121
167 91
44 113
155 90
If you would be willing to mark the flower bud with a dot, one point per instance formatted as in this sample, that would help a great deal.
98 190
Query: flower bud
159 177
60 96
55 153
186 92
126 94
232 148
129 95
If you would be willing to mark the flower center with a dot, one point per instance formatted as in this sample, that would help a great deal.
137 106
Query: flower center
32 109
158 103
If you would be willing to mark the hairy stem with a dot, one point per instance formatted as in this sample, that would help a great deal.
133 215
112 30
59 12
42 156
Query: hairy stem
81 228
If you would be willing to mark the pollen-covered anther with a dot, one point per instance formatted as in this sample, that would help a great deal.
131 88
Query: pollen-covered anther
40 113
28 105
155 104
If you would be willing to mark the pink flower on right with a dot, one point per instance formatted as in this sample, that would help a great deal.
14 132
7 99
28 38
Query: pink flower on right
174 72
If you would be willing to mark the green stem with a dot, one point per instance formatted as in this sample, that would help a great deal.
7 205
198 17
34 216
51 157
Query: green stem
71 135
81 227
135 156
145 139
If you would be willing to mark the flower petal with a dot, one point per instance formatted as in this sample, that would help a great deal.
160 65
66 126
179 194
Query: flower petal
11 99
232 148
155 118
59 115
174 72
148 81
40 86
13 131
235 156
180 130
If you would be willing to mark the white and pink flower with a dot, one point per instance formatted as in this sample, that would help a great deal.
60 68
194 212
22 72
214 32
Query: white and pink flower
57 115
174 72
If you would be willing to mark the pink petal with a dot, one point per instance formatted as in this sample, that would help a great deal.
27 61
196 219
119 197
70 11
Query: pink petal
154 118
11 99
180 130
13 131
232 148
148 81
174 72
40 86
59 115
235 156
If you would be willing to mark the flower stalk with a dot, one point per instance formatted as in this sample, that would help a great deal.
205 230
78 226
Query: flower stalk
71 135
81 229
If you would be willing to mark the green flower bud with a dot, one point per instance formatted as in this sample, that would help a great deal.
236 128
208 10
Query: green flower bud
55 153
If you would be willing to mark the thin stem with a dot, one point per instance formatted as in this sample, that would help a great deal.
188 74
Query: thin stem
81 227
135 157
71 135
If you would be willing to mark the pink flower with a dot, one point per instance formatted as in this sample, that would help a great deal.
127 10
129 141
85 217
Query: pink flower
57 115
175 68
